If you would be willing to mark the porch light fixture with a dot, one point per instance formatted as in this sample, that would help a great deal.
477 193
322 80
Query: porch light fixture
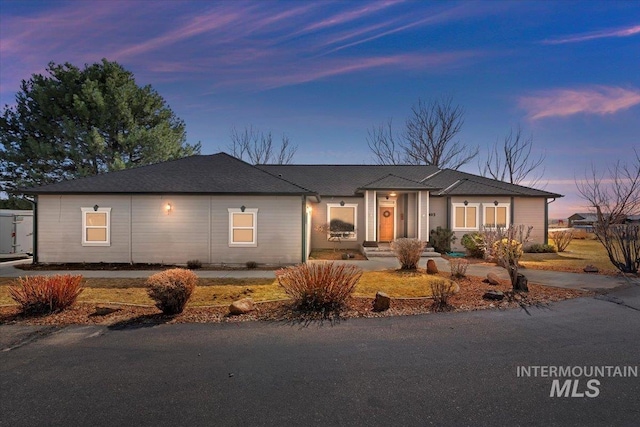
341 202
95 208
242 208
393 194
168 208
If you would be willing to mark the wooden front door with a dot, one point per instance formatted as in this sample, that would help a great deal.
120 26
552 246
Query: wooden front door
385 221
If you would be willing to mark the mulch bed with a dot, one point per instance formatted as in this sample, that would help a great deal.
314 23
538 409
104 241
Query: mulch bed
468 299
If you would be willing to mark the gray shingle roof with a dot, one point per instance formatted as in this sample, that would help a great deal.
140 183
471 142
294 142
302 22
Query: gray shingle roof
456 183
344 180
211 174
223 174
394 182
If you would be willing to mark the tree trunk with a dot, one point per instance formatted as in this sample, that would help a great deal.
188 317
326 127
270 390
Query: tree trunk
520 284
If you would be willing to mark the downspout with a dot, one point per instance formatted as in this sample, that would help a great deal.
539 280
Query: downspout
512 210
546 221
304 230
34 203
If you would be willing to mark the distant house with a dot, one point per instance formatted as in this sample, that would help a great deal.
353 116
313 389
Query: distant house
219 209
582 220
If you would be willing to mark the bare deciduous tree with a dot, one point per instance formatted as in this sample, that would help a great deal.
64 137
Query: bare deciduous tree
504 245
428 137
257 147
613 198
512 161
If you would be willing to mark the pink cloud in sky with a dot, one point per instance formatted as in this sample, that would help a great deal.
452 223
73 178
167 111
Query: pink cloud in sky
599 100
618 32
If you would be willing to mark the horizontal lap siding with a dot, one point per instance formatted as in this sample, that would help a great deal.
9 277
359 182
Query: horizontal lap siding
174 237
279 229
530 211
60 229
197 227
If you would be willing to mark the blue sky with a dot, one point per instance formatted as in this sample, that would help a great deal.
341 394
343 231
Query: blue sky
323 72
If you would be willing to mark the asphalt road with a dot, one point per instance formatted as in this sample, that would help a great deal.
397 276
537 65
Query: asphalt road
450 369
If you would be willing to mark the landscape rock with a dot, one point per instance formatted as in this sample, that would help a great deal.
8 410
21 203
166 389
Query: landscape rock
591 269
432 268
521 283
382 302
493 279
103 310
493 295
242 306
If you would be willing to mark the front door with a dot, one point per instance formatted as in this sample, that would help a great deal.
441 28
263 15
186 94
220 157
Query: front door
385 221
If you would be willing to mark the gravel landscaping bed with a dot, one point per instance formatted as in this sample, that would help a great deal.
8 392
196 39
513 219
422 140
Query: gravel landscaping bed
468 299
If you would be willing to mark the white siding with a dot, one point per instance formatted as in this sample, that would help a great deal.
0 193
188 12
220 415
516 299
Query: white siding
196 228
371 225
424 215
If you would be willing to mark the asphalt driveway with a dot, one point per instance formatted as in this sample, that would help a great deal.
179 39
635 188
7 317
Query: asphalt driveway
450 369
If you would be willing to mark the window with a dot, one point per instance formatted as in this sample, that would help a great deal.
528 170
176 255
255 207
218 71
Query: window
96 228
342 221
243 227
496 215
465 217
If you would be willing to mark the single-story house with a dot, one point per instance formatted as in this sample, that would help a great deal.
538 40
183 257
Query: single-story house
583 220
219 209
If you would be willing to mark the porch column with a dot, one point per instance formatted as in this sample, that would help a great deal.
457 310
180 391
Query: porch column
423 215
370 216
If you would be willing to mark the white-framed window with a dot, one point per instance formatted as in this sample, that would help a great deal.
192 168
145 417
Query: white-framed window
243 227
342 220
465 216
496 215
96 226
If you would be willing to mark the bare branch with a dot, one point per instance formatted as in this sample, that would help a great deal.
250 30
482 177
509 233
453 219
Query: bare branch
257 147
383 145
512 161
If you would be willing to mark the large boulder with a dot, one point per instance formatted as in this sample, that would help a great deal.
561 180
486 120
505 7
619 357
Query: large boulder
242 306
432 268
493 279
382 302
493 295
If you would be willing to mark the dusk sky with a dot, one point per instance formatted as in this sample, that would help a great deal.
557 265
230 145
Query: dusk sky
323 72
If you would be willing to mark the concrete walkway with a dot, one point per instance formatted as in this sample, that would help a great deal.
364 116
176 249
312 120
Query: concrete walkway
549 278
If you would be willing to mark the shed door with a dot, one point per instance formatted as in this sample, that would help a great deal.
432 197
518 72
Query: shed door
386 220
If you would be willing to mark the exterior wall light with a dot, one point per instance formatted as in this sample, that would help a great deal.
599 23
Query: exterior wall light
495 203
242 208
168 208
393 194
342 203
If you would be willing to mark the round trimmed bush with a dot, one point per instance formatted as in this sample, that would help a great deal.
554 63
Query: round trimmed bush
171 289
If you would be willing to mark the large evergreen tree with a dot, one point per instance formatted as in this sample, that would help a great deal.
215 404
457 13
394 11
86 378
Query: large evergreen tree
75 122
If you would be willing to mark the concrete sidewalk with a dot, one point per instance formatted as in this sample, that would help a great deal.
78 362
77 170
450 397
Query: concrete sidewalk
550 278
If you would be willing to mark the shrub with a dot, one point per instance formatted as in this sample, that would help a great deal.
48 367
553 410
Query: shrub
507 249
319 286
441 290
194 264
562 239
46 294
251 265
408 252
441 239
474 244
538 248
171 289
459 267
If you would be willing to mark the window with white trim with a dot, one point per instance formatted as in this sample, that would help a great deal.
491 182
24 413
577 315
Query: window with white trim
465 216
96 226
496 215
243 227
342 221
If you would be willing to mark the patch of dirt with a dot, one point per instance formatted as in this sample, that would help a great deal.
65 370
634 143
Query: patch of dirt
105 266
468 299
337 255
